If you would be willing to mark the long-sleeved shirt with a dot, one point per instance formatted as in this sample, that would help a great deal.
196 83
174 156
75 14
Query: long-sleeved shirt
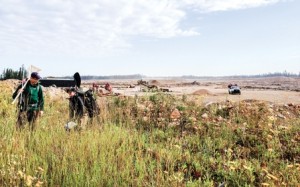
33 96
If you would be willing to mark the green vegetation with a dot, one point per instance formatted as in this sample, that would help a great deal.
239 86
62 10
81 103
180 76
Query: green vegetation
9 73
139 141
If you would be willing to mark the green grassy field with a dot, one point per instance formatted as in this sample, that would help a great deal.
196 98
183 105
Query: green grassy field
137 142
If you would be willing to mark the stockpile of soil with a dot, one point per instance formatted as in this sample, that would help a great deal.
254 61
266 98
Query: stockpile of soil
202 92
9 85
155 82
55 93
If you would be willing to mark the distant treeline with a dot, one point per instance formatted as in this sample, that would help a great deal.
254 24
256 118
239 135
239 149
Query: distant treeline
13 74
21 73
138 76
276 74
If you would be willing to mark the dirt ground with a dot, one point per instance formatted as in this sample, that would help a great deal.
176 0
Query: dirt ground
279 90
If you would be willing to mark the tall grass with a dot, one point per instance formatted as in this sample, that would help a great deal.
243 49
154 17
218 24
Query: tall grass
136 143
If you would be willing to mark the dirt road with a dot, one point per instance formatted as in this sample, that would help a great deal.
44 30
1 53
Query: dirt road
278 90
213 94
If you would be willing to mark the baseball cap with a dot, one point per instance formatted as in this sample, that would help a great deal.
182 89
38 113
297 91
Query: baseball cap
35 75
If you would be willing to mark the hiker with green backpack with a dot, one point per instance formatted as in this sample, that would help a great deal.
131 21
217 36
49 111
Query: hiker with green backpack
31 101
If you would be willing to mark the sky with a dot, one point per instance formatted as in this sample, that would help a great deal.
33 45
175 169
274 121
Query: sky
151 37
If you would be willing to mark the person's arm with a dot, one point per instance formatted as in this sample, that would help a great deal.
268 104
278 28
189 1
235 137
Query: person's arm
17 91
41 99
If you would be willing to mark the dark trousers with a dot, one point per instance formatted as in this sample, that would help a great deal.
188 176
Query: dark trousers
27 116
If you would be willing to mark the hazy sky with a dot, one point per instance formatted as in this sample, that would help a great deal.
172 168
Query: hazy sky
151 37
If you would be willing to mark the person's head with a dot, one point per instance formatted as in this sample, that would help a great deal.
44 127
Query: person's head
108 87
34 78
70 91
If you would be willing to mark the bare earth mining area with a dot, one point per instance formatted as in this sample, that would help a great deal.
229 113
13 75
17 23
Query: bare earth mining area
277 90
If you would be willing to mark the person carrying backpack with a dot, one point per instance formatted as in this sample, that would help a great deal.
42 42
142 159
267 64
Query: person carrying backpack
31 102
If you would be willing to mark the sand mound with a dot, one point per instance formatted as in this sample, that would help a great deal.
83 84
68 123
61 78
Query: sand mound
154 82
55 94
9 84
201 92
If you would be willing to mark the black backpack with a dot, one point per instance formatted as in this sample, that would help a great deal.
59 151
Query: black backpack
81 102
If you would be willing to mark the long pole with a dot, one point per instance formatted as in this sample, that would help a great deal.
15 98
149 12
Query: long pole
23 85
20 92
22 80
